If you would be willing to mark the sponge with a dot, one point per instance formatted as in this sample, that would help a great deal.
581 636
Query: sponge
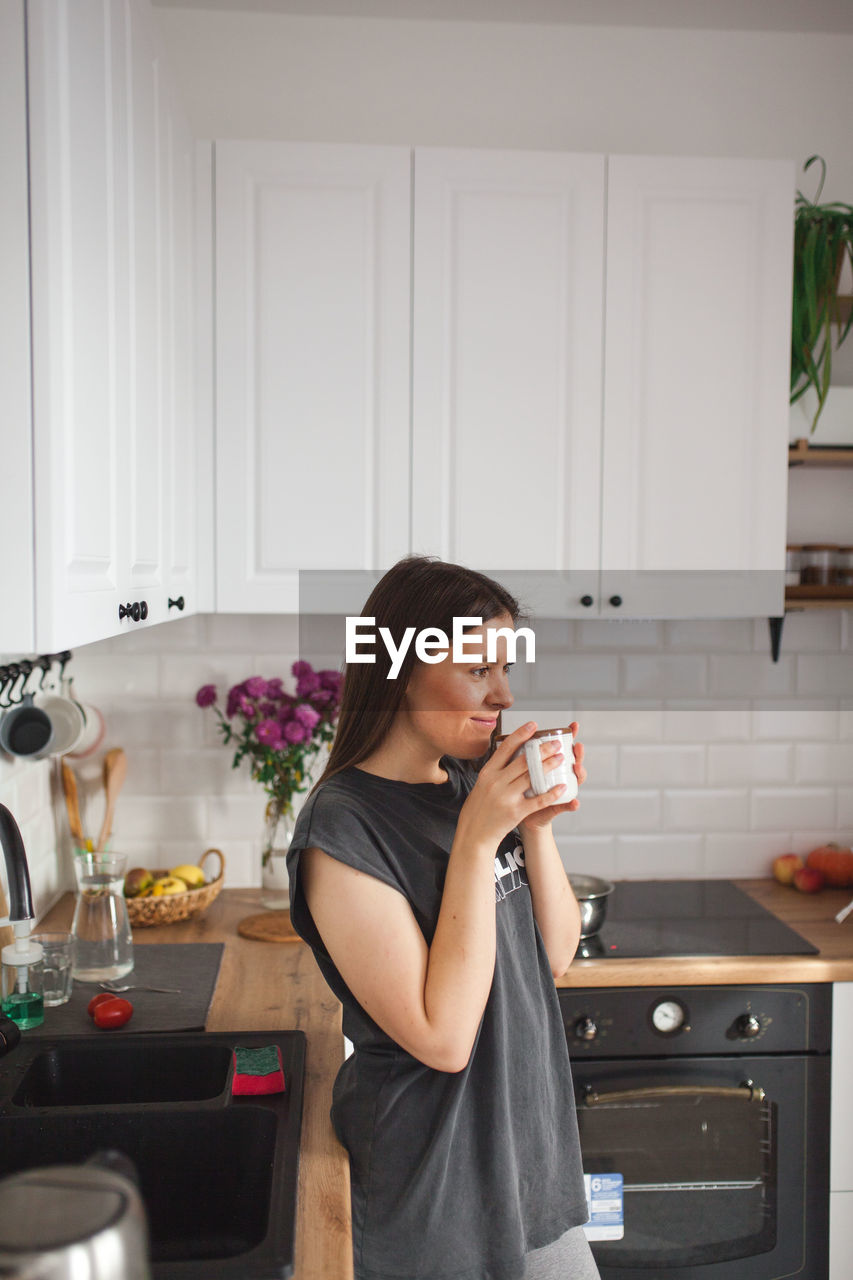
258 1070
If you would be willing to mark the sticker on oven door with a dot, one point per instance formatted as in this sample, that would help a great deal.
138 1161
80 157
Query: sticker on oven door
604 1197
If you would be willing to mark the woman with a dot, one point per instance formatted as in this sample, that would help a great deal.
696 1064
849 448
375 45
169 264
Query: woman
435 901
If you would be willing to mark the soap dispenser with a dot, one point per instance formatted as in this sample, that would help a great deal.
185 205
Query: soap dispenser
22 980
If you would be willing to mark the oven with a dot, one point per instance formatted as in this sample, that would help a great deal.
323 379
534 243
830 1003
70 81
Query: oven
708 1109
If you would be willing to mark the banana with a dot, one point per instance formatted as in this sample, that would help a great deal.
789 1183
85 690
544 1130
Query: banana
168 884
193 877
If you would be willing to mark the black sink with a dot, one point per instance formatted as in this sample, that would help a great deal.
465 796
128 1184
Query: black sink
218 1174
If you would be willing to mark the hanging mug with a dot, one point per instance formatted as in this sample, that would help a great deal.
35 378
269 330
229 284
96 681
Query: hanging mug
26 730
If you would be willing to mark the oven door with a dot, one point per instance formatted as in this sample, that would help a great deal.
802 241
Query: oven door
722 1179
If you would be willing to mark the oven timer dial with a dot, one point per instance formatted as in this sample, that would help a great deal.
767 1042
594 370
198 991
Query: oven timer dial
748 1026
669 1017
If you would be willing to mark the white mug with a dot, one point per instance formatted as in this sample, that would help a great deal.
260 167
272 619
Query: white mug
540 781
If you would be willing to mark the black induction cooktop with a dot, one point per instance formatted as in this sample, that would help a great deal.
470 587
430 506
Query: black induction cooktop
689 918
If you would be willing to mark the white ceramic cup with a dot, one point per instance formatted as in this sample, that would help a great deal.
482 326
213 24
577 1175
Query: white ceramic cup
540 781
68 724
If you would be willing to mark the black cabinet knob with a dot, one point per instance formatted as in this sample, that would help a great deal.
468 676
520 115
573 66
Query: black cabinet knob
143 610
177 604
616 601
586 601
124 611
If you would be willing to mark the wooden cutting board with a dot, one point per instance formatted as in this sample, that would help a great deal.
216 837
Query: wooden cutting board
269 926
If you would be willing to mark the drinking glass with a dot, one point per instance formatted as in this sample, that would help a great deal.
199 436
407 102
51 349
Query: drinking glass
103 947
56 978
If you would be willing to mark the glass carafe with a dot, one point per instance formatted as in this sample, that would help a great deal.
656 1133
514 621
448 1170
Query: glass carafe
103 947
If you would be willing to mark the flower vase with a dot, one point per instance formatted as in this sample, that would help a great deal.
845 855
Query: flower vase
275 842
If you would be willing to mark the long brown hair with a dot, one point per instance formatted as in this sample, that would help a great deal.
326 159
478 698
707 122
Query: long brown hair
419 592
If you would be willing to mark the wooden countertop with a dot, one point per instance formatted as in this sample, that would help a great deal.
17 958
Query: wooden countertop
267 986
810 914
278 985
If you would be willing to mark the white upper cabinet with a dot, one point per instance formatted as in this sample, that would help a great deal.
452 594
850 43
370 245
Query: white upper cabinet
697 352
111 196
508 291
313 250
16 497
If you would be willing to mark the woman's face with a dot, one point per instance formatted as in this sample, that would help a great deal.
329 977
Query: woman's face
453 707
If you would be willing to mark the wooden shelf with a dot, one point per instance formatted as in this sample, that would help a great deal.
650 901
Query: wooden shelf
818 597
803 454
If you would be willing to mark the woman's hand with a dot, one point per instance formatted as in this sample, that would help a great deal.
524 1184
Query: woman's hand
543 817
497 803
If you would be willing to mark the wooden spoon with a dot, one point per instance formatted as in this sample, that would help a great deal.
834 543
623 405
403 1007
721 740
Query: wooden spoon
72 804
115 772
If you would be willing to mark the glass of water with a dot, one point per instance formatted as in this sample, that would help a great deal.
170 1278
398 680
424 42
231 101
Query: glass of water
57 956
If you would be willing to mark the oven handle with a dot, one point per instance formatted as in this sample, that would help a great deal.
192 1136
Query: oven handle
592 1098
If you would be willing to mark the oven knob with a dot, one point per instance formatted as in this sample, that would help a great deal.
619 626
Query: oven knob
748 1026
585 1029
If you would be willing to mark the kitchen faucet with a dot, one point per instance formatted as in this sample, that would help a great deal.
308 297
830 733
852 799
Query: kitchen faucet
20 954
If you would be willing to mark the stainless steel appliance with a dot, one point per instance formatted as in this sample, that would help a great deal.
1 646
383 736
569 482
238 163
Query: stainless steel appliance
711 1102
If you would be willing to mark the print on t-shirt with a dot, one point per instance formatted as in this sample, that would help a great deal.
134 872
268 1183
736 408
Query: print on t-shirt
509 871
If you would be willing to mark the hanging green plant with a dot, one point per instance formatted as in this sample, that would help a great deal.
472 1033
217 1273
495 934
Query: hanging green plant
823 237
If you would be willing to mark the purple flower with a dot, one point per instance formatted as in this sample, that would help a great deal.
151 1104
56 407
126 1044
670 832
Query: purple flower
245 706
331 680
294 732
206 695
275 688
306 716
301 669
284 712
233 703
307 684
269 733
255 686
268 708
321 696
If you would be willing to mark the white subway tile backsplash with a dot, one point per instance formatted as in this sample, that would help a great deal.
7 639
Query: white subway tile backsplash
623 810
711 809
155 817
656 857
666 675
650 766
845 812
587 855
183 674
242 633
708 634
751 675
706 723
573 674
100 674
626 724
739 763
824 763
784 809
204 773
825 675
607 633
744 855
793 723
811 631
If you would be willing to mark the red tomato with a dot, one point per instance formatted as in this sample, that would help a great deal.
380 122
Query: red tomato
114 1012
96 1000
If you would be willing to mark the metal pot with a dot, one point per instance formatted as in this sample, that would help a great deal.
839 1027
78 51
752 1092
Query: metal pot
591 893
65 1221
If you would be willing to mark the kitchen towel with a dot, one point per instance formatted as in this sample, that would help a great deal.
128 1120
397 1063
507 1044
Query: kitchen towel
192 967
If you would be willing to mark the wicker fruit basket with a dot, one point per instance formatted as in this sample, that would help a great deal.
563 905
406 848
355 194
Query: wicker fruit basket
169 908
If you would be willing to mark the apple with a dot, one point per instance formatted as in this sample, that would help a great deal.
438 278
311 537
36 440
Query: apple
807 880
786 866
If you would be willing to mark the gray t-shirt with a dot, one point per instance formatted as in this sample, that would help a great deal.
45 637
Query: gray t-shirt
454 1176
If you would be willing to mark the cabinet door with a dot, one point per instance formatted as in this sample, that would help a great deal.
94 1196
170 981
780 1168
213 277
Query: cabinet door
508 283
78 185
841 1146
697 342
313 320
16 496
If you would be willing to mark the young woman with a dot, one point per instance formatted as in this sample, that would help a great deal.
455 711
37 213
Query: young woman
433 895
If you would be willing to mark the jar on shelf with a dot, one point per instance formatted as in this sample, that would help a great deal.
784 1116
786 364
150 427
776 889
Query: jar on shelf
845 566
819 563
793 563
